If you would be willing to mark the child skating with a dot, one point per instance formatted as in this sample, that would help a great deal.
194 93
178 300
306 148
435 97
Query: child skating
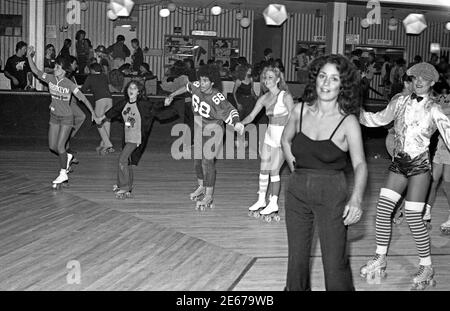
137 115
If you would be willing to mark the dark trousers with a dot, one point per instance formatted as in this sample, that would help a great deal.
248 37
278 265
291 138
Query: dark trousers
125 171
317 196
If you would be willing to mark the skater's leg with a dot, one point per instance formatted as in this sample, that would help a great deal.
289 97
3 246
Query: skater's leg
124 167
389 196
437 174
446 182
198 169
414 205
300 229
53 133
333 232
64 133
78 118
209 172
101 106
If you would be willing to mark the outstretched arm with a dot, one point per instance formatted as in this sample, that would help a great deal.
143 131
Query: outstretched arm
83 98
169 98
258 106
380 118
34 69
442 123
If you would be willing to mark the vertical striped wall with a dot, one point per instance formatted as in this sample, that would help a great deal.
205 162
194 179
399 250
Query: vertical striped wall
153 28
299 27
8 44
99 29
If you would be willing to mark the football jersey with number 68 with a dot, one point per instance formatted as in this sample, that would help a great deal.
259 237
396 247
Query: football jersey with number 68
213 107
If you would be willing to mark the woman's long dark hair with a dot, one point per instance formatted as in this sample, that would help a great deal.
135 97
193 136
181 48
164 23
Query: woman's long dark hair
348 98
141 89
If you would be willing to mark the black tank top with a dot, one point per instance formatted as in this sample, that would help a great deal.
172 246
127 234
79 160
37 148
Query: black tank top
244 89
317 154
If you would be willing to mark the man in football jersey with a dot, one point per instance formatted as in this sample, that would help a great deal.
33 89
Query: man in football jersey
211 109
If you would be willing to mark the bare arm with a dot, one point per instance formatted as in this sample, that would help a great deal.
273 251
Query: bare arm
258 106
289 101
288 134
169 98
237 83
353 211
33 67
83 98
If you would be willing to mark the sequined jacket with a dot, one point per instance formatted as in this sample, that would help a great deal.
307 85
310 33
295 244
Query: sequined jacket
414 123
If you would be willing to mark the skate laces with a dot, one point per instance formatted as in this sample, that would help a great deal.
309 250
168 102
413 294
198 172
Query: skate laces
377 259
422 273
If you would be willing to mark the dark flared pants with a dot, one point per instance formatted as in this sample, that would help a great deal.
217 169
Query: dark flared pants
317 196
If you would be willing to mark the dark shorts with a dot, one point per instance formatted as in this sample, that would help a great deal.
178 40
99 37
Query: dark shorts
61 120
404 165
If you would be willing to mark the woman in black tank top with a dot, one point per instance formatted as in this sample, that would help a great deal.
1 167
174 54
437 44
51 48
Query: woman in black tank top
315 143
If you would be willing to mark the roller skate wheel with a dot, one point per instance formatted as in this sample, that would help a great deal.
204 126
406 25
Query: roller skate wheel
256 215
268 219
277 218
212 206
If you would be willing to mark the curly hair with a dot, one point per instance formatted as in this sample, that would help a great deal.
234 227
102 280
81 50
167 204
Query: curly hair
211 72
348 98
241 71
141 90
278 74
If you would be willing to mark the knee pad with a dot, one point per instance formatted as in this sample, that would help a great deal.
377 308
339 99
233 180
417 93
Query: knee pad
414 206
390 194
275 178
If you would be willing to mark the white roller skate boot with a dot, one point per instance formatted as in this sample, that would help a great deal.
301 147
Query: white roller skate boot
206 201
423 278
123 194
445 227
427 217
198 194
254 210
61 180
69 163
271 210
375 269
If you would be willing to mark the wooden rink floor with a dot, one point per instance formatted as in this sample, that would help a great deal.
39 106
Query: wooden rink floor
156 240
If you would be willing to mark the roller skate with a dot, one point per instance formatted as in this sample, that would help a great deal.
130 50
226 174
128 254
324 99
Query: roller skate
61 181
115 188
271 211
399 214
374 270
198 194
423 278
255 209
123 194
445 227
427 217
206 201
